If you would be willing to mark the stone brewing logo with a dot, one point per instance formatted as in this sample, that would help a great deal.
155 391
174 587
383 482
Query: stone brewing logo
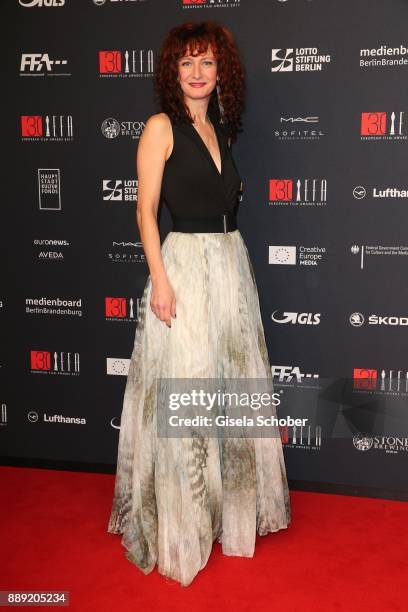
362 442
111 128
388 443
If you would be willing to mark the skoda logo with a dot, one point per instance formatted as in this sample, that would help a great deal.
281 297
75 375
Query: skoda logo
356 319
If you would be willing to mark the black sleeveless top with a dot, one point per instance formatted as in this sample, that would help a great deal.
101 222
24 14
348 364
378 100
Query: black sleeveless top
192 186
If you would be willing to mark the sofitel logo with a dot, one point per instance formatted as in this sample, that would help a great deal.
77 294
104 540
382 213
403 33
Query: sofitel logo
47 362
122 309
309 192
40 64
383 126
50 128
125 64
298 60
120 190
299 128
111 128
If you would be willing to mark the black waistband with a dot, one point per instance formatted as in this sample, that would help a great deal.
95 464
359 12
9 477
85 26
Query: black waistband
215 224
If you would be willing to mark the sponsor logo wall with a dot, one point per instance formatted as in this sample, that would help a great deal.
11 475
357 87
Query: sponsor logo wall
324 214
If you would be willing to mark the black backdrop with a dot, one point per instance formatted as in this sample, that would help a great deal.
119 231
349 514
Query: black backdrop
323 157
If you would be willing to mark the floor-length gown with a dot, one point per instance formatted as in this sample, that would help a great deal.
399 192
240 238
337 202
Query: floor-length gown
174 497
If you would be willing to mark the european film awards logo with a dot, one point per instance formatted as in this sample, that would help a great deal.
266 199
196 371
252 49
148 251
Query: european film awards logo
47 128
210 4
122 309
54 362
298 192
383 125
126 64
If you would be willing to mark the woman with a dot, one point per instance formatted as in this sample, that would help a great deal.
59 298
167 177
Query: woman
175 496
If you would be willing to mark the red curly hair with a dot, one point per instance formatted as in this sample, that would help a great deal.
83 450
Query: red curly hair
198 36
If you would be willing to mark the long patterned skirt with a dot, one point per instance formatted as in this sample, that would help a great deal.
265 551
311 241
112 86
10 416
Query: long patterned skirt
174 497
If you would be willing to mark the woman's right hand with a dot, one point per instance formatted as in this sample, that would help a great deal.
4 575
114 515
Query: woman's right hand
163 301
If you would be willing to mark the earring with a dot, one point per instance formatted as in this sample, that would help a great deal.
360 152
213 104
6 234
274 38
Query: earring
220 106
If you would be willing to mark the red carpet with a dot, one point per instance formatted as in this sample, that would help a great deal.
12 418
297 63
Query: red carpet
339 553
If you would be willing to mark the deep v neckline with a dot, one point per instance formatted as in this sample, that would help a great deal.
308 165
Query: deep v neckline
204 147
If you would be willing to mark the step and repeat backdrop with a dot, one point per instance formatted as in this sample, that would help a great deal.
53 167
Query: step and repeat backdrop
323 158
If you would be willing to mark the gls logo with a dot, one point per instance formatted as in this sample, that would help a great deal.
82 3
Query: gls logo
302 318
33 3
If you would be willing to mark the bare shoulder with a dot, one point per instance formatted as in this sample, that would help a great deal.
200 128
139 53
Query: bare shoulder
157 135
159 122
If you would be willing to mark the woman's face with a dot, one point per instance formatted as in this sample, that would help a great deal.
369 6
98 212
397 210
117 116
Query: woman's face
197 75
